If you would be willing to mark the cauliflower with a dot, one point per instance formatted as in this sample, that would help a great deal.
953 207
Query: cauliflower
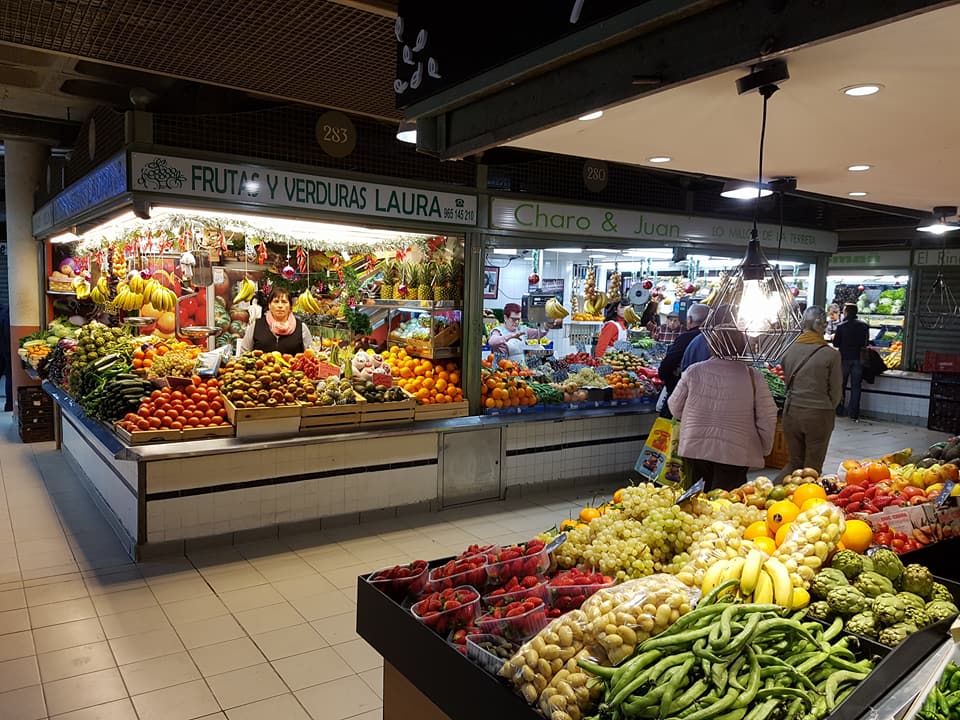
887 563
896 633
848 562
918 580
825 581
873 584
940 610
847 600
863 623
888 608
911 600
820 610
940 592
916 616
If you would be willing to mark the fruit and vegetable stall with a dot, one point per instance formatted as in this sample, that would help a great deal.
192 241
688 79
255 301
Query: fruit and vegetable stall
763 602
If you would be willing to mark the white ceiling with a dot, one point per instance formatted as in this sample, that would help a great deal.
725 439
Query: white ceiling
907 132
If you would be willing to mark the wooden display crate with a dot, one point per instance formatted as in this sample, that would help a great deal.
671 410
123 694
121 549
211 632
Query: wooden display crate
142 437
239 415
210 431
450 335
441 411
331 416
394 413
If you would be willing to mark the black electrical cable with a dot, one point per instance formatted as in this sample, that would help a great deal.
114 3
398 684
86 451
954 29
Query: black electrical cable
763 133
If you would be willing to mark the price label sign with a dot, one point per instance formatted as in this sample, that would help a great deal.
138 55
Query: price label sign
695 489
336 134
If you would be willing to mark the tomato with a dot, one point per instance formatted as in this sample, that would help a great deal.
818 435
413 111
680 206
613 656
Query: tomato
210 414
177 395
155 422
143 424
216 405
193 422
203 405
167 421
155 394
176 425
144 412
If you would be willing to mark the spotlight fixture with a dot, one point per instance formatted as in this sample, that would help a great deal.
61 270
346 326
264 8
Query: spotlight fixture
859 168
861 90
592 116
937 223
660 159
407 132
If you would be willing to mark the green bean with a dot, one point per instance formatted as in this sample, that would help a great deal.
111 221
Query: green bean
700 650
684 638
720 635
857 667
620 692
781 692
834 682
666 699
735 714
786 625
715 709
633 666
600 671
794 709
763 710
711 597
812 662
739 641
700 614
753 682
835 627
689 696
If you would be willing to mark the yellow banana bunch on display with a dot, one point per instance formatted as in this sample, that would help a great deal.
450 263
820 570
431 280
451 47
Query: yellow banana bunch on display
162 298
761 579
81 287
307 303
135 281
127 299
100 293
246 292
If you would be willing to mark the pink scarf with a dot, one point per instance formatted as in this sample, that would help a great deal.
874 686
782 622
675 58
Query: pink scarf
281 328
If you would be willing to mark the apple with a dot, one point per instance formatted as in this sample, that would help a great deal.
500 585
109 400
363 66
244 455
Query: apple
533 279
647 285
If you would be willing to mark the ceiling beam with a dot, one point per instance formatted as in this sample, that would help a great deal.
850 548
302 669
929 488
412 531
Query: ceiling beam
49 131
733 34
384 8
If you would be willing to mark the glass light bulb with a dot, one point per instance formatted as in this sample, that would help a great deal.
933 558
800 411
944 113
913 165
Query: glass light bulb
758 309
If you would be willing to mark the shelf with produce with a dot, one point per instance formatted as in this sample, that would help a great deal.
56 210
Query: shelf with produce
415 305
878 319
64 293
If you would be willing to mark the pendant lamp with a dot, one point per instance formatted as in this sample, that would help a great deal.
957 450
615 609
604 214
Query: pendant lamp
754 317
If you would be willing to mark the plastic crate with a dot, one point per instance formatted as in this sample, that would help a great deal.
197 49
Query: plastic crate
36 433
941 362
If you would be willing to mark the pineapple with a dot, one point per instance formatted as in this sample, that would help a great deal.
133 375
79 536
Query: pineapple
389 286
413 281
425 274
440 281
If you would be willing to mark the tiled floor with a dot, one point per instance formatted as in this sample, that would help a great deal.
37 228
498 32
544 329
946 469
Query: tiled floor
263 631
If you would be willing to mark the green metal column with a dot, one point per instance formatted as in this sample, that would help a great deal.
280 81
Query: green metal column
818 295
473 259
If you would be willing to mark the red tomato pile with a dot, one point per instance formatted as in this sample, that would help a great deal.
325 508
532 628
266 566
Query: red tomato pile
196 405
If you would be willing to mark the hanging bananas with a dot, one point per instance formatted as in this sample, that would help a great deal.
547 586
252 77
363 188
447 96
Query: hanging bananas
246 292
100 293
81 287
162 298
126 299
307 304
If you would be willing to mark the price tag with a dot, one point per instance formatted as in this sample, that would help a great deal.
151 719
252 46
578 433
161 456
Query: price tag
696 488
899 521
945 493
219 275
556 542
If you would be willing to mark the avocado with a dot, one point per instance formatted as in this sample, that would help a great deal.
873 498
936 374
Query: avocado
927 462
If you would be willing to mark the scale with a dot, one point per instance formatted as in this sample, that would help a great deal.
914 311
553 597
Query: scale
535 306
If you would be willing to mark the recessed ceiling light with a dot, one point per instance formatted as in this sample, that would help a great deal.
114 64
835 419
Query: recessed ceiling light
861 90
857 193
592 116
745 192
660 159
859 168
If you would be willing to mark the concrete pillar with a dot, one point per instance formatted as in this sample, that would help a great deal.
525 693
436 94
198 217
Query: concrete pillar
24 168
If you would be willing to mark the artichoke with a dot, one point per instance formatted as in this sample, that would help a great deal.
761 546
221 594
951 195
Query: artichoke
911 600
918 580
863 623
896 633
847 600
848 562
820 610
867 564
940 610
873 584
940 592
916 616
888 608
887 563
826 580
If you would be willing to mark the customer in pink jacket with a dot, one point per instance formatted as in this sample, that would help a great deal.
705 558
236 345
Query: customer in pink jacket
727 420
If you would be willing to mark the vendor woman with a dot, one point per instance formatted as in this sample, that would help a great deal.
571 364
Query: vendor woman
279 329
508 340
614 327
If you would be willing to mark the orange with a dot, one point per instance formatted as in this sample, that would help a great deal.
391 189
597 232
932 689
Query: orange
782 533
878 472
780 513
857 536
766 544
806 492
589 513
850 464
857 476
756 530
810 502
618 496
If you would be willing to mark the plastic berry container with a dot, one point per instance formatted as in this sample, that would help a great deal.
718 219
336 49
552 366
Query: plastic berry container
457 638
479 651
397 584
570 597
473 573
443 619
499 598
517 627
500 570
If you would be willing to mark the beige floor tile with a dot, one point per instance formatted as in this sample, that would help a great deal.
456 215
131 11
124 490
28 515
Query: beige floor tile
61 612
100 582
372 715
66 635
16 645
374 680
134 648
246 685
282 707
23 704
337 628
347 576
116 710
50 572
312 668
209 631
56 592
12 600
283 569
156 673
303 586
134 622
84 691
359 655
323 605
293 640
271 617
235 579
124 601
72 661
14 621
180 702
251 597
19 673
338 699
187 589
226 656
187 611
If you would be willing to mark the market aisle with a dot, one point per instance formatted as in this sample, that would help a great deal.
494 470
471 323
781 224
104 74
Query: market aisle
263 630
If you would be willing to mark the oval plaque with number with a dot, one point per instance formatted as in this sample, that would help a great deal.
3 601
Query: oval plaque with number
595 175
336 134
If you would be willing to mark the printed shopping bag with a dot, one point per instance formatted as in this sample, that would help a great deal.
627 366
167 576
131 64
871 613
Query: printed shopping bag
659 461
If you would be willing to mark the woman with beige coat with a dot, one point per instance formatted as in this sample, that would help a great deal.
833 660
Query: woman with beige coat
814 378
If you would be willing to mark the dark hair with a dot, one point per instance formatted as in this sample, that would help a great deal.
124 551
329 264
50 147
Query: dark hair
850 310
610 311
276 292
510 309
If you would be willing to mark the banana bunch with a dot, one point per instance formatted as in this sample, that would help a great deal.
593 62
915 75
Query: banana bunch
813 536
162 298
307 303
100 293
762 579
555 310
596 304
135 282
246 292
81 287
892 360
127 299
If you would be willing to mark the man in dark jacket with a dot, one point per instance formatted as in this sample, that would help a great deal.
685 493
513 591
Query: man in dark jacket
6 358
851 337
670 365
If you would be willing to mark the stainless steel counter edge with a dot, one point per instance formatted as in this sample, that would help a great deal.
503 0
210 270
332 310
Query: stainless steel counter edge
906 375
219 446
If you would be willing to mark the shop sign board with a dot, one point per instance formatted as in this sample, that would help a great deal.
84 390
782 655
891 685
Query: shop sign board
237 183
899 259
105 182
599 222
947 258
